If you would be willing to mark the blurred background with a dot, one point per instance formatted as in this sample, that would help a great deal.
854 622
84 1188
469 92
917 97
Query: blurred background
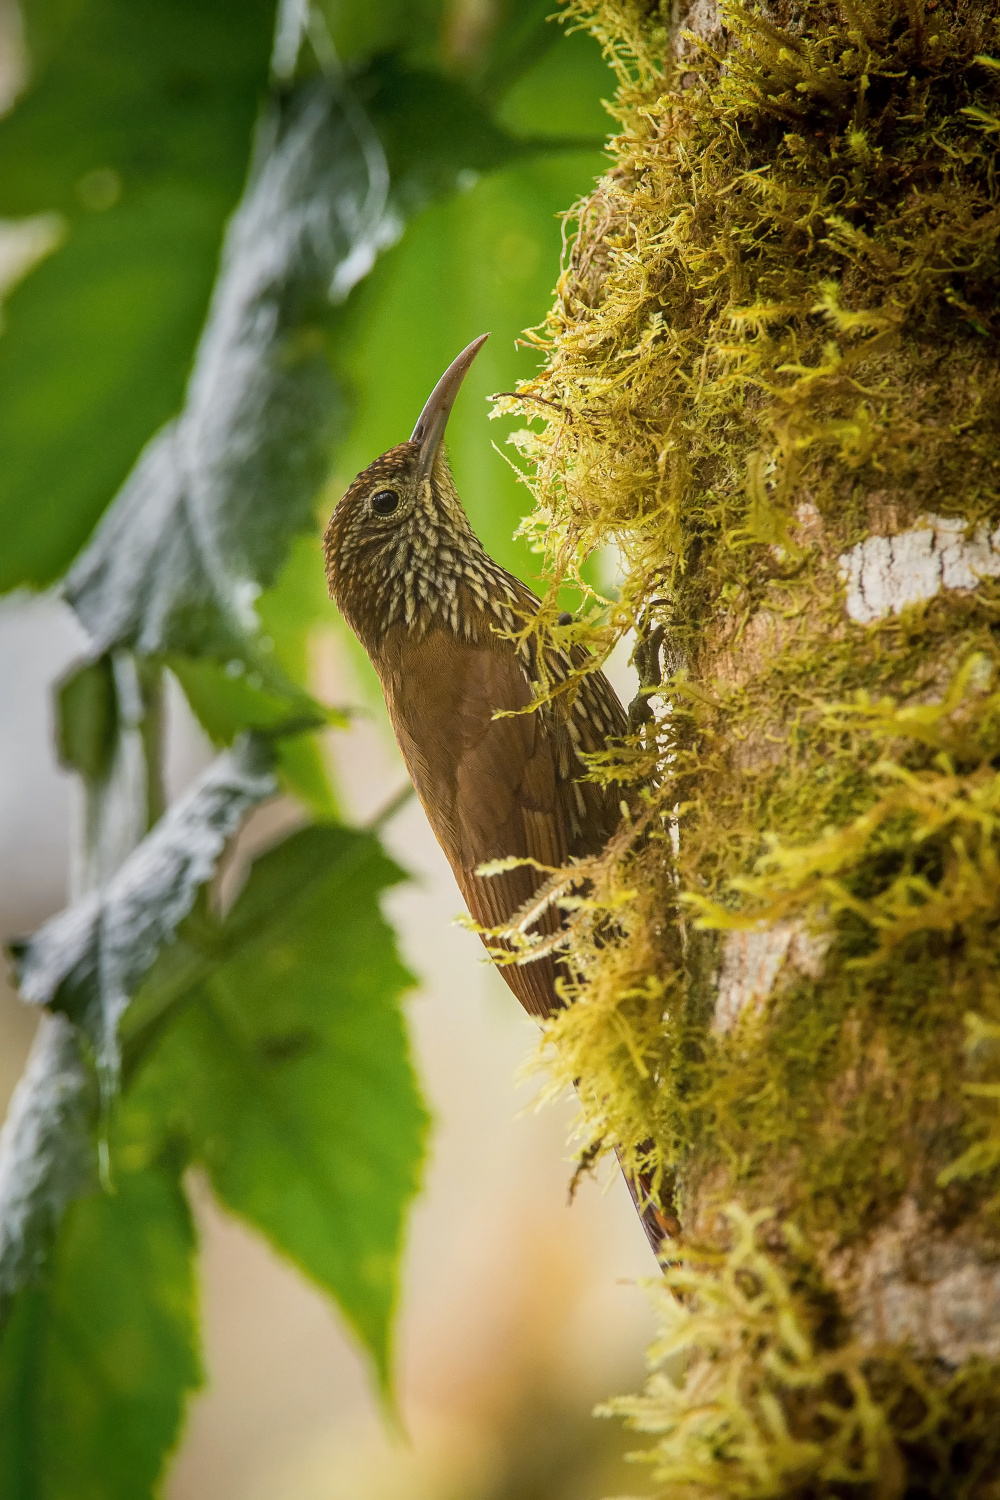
518 1312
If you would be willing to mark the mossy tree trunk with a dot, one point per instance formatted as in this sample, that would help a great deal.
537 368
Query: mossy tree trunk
773 379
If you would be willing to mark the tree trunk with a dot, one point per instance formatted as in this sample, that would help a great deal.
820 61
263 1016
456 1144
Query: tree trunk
773 381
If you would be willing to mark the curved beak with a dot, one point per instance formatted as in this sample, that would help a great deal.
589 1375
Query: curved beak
433 420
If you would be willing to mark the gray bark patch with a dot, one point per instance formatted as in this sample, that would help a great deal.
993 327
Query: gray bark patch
885 573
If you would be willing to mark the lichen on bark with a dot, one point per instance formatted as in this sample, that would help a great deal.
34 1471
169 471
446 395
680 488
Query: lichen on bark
772 377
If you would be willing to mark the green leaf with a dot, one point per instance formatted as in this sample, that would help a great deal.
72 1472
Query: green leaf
88 961
96 1364
134 127
279 1054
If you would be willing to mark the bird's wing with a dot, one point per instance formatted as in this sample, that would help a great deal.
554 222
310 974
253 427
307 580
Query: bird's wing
490 786
531 821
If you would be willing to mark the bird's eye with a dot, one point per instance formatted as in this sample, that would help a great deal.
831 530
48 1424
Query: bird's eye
384 502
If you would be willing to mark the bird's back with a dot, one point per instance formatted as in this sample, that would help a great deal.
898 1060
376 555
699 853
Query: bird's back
498 778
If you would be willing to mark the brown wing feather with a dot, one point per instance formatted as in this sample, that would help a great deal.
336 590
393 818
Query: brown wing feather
491 787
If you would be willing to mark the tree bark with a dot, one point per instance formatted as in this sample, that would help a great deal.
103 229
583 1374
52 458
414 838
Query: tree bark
773 381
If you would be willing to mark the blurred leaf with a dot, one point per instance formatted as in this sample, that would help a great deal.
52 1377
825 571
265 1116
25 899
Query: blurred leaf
560 94
135 128
205 519
487 45
228 700
298 602
521 35
46 1154
484 261
109 716
302 771
359 32
434 132
290 613
283 1061
87 718
95 1366
88 960
226 705
272 1044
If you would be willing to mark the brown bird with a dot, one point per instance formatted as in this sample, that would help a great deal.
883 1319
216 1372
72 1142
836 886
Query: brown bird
436 616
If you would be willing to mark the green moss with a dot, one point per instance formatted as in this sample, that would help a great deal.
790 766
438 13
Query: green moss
770 322
776 1404
776 334
982 1158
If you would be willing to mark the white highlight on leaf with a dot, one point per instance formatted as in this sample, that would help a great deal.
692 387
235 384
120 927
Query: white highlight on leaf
45 1151
885 573
752 963
290 26
91 957
24 242
384 230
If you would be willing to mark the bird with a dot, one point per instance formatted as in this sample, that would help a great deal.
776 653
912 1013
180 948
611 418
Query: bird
444 626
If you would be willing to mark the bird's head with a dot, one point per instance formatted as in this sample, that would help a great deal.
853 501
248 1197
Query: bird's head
399 542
